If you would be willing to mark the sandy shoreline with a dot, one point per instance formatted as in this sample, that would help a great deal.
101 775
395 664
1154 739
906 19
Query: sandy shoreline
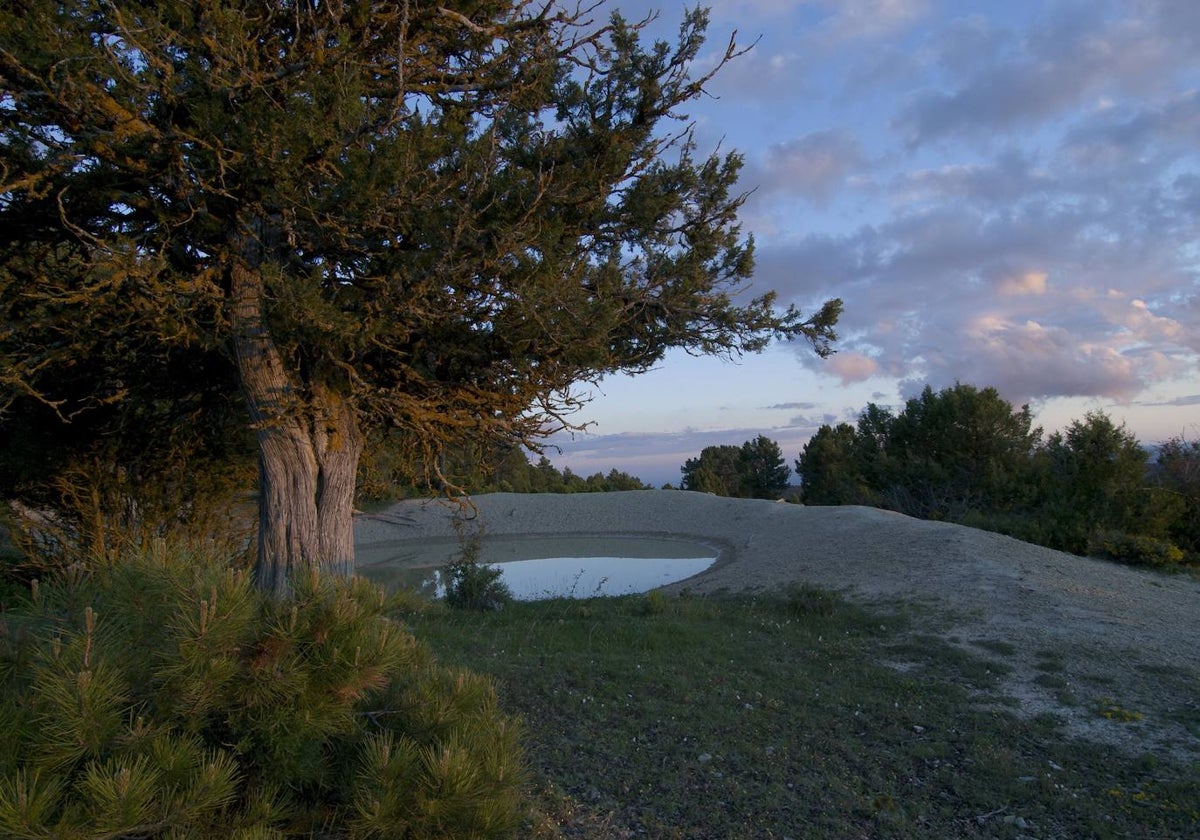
1130 622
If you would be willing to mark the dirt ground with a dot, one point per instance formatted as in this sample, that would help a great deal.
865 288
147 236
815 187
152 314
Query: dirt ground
1113 651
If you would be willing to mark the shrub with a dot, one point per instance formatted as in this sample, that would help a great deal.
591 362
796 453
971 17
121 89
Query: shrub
164 697
471 585
1134 549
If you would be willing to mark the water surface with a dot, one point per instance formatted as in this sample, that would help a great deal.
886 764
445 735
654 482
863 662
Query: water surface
545 567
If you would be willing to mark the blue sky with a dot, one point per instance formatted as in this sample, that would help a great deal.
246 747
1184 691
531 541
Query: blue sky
1002 193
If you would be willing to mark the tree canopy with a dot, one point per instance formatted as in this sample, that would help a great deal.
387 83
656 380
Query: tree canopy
430 217
965 455
754 470
948 452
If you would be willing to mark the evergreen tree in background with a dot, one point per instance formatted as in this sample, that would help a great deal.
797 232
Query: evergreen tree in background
754 470
1178 474
828 468
764 469
965 455
717 470
947 453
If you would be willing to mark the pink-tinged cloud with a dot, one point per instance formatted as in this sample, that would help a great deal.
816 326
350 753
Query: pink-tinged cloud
1024 283
852 367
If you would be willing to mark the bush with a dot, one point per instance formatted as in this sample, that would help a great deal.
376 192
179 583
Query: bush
1134 549
469 584
165 697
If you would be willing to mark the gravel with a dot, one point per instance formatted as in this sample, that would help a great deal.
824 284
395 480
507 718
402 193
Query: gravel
1127 637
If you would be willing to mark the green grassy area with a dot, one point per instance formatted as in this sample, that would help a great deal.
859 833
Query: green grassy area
801 716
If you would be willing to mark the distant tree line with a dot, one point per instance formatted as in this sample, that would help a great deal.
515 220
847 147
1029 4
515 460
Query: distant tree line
754 470
471 468
965 455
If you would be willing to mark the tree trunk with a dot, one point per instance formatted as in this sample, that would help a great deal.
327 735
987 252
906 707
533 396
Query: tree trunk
309 446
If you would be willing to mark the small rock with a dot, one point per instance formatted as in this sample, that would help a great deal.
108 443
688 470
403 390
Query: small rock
918 729
704 758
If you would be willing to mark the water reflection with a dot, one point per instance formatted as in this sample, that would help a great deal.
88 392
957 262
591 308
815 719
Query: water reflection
588 577
544 567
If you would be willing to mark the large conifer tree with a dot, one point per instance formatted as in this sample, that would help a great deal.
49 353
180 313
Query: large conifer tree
437 216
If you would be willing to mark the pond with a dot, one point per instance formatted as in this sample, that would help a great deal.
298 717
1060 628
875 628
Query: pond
545 567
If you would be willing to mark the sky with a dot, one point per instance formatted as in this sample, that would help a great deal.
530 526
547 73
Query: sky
1003 193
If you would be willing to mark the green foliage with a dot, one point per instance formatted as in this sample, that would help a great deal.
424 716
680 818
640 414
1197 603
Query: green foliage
471 585
829 469
964 455
1178 474
163 697
754 470
169 460
1134 549
945 455
716 471
1091 478
764 469
387 473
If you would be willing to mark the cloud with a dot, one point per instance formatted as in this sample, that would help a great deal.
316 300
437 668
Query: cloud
852 367
1123 136
791 406
1190 399
1022 283
1009 81
658 457
1063 290
858 20
811 166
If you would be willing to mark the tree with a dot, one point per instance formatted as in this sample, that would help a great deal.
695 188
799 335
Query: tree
431 217
1178 472
947 454
717 471
1093 478
754 470
764 470
829 469
957 450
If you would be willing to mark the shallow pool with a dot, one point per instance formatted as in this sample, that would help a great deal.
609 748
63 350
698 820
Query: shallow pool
546 567
589 577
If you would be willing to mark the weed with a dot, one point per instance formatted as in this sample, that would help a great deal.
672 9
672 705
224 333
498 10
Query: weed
655 603
1110 709
809 600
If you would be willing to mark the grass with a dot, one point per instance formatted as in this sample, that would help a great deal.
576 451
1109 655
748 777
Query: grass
800 716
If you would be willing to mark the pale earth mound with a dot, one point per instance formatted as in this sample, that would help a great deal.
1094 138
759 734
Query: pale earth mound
1127 637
